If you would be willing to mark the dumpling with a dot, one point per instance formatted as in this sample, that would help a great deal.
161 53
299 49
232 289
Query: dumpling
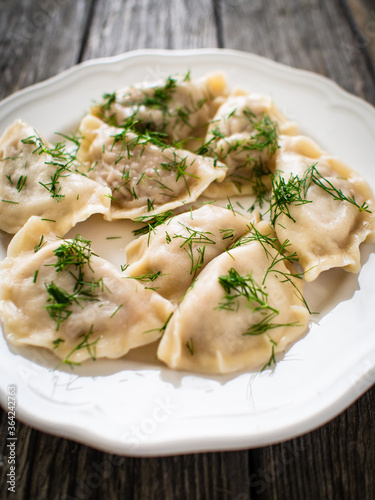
179 107
242 310
39 179
244 136
325 209
59 295
170 257
145 176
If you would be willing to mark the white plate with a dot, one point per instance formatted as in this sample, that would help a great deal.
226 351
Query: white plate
135 405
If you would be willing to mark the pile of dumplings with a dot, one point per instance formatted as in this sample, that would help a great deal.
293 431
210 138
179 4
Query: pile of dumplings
219 289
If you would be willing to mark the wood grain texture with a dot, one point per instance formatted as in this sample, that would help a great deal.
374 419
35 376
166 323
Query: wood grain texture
38 39
310 34
120 26
336 38
361 18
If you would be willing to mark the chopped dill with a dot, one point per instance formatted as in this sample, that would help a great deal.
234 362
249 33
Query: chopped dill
21 183
269 242
40 244
57 342
147 277
85 343
179 166
272 360
294 192
116 310
75 253
151 222
61 159
236 286
190 346
162 329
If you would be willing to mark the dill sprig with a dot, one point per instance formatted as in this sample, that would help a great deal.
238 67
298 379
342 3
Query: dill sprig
152 222
267 242
320 181
179 165
287 193
237 286
21 183
74 254
266 136
86 343
40 244
272 359
162 329
161 95
190 346
109 99
60 301
155 98
263 137
259 171
147 277
130 138
57 342
195 236
294 192
195 253
227 234
196 257
61 159
282 254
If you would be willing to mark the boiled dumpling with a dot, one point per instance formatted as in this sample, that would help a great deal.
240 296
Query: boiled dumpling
244 136
170 257
310 207
241 311
178 107
59 295
40 179
145 176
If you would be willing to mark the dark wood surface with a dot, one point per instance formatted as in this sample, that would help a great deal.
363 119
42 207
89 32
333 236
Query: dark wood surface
38 39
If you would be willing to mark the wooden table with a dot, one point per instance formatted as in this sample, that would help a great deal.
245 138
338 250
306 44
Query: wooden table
335 38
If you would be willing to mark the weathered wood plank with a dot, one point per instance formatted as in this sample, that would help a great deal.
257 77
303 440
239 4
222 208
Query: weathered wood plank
307 34
39 39
335 461
361 17
51 468
120 26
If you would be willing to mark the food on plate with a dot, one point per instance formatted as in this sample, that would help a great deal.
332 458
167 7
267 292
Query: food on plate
244 135
170 256
324 209
232 213
177 108
38 178
245 306
145 175
60 295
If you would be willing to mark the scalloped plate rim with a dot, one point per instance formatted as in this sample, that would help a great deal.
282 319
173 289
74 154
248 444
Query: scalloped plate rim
343 399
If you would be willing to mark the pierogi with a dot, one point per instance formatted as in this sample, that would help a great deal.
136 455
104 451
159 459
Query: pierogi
172 255
241 311
240 212
59 295
37 178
